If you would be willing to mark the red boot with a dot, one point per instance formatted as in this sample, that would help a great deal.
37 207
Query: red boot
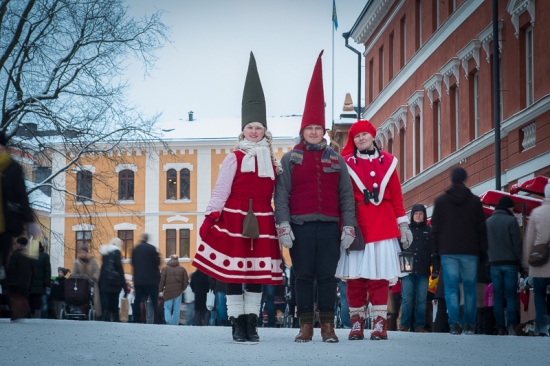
379 329
357 328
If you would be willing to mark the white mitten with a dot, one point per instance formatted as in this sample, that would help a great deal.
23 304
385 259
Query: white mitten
284 231
348 236
406 235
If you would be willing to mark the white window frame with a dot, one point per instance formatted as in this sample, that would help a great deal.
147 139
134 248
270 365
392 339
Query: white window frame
529 68
476 105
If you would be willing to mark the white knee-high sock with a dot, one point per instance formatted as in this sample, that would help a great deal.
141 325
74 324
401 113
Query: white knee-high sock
235 305
357 311
379 310
252 302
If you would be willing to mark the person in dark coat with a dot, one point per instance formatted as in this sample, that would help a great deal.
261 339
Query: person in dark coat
58 291
200 284
111 280
460 238
145 263
414 289
41 284
15 211
19 275
505 255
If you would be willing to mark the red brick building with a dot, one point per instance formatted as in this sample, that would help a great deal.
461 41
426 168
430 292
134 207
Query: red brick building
429 90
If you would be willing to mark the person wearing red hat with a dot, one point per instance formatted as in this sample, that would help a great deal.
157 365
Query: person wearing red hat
369 265
239 243
312 197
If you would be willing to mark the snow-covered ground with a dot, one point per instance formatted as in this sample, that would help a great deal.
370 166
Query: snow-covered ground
70 342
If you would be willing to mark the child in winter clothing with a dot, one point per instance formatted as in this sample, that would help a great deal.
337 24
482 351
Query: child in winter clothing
58 291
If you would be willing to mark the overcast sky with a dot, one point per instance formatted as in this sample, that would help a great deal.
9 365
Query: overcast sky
204 68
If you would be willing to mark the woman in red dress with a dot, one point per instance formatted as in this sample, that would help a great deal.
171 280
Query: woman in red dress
239 241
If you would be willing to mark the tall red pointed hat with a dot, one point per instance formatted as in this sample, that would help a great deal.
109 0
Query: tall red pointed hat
314 110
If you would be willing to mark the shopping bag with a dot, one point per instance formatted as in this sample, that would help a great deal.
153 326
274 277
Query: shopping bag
210 300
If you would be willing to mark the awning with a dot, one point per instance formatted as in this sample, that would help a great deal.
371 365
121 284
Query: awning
535 185
491 198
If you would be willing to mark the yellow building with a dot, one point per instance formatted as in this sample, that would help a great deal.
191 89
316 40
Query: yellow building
161 188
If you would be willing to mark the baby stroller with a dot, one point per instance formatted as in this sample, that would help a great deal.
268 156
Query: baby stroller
79 295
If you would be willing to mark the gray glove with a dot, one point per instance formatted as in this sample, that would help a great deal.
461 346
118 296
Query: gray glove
406 235
284 231
348 236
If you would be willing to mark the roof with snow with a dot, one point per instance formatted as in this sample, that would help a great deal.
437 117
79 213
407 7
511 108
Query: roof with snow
227 128
38 200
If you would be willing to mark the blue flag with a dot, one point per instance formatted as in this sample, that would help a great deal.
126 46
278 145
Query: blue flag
334 16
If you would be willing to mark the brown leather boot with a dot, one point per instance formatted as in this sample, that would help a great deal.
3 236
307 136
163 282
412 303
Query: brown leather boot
306 328
327 328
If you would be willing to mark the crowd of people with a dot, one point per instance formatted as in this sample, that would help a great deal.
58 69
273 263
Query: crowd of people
343 220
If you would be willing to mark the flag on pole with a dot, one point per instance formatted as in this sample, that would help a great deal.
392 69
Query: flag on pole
334 16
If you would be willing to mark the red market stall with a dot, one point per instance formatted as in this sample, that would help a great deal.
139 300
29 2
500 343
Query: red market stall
535 186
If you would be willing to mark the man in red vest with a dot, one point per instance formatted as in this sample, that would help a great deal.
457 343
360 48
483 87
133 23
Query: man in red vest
313 196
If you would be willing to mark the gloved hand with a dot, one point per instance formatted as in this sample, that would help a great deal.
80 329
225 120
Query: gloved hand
161 294
209 221
284 231
406 235
48 291
348 236
33 230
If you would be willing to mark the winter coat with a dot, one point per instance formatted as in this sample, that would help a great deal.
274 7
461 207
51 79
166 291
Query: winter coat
458 223
19 273
538 232
173 279
200 286
422 243
58 289
15 202
145 262
503 238
42 274
110 252
90 269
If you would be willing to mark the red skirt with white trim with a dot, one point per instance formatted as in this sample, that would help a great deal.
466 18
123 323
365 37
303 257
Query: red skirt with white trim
228 256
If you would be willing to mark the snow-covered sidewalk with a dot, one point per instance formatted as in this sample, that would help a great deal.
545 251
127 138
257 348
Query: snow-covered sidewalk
69 342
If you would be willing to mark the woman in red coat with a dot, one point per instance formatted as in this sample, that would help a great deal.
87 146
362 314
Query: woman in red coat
241 200
370 266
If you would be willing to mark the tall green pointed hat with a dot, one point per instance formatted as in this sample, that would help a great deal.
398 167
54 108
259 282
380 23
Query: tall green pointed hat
253 105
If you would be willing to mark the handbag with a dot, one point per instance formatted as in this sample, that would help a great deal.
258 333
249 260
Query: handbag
210 300
538 255
250 223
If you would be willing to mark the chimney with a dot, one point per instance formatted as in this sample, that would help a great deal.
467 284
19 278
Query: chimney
190 116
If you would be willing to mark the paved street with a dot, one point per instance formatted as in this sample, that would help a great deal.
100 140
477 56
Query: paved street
69 342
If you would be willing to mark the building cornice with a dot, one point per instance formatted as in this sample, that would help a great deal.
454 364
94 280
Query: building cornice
486 36
468 52
449 69
456 19
372 18
433 83
512 123
517 7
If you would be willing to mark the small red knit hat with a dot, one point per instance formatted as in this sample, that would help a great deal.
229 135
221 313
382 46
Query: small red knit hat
314 110
355 129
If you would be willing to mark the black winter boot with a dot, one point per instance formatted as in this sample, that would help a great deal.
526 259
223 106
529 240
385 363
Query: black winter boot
251 330
238 326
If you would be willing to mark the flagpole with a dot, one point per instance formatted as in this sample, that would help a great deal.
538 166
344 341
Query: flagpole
332 25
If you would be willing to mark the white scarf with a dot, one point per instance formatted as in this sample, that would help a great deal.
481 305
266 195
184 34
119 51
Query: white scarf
259 150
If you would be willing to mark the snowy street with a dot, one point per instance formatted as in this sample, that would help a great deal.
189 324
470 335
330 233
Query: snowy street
69 342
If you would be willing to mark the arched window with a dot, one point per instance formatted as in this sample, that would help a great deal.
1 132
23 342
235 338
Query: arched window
126 185
185 184
171 184
84 185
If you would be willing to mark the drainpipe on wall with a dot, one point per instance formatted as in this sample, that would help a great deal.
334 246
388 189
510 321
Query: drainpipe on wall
496 93
346 37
